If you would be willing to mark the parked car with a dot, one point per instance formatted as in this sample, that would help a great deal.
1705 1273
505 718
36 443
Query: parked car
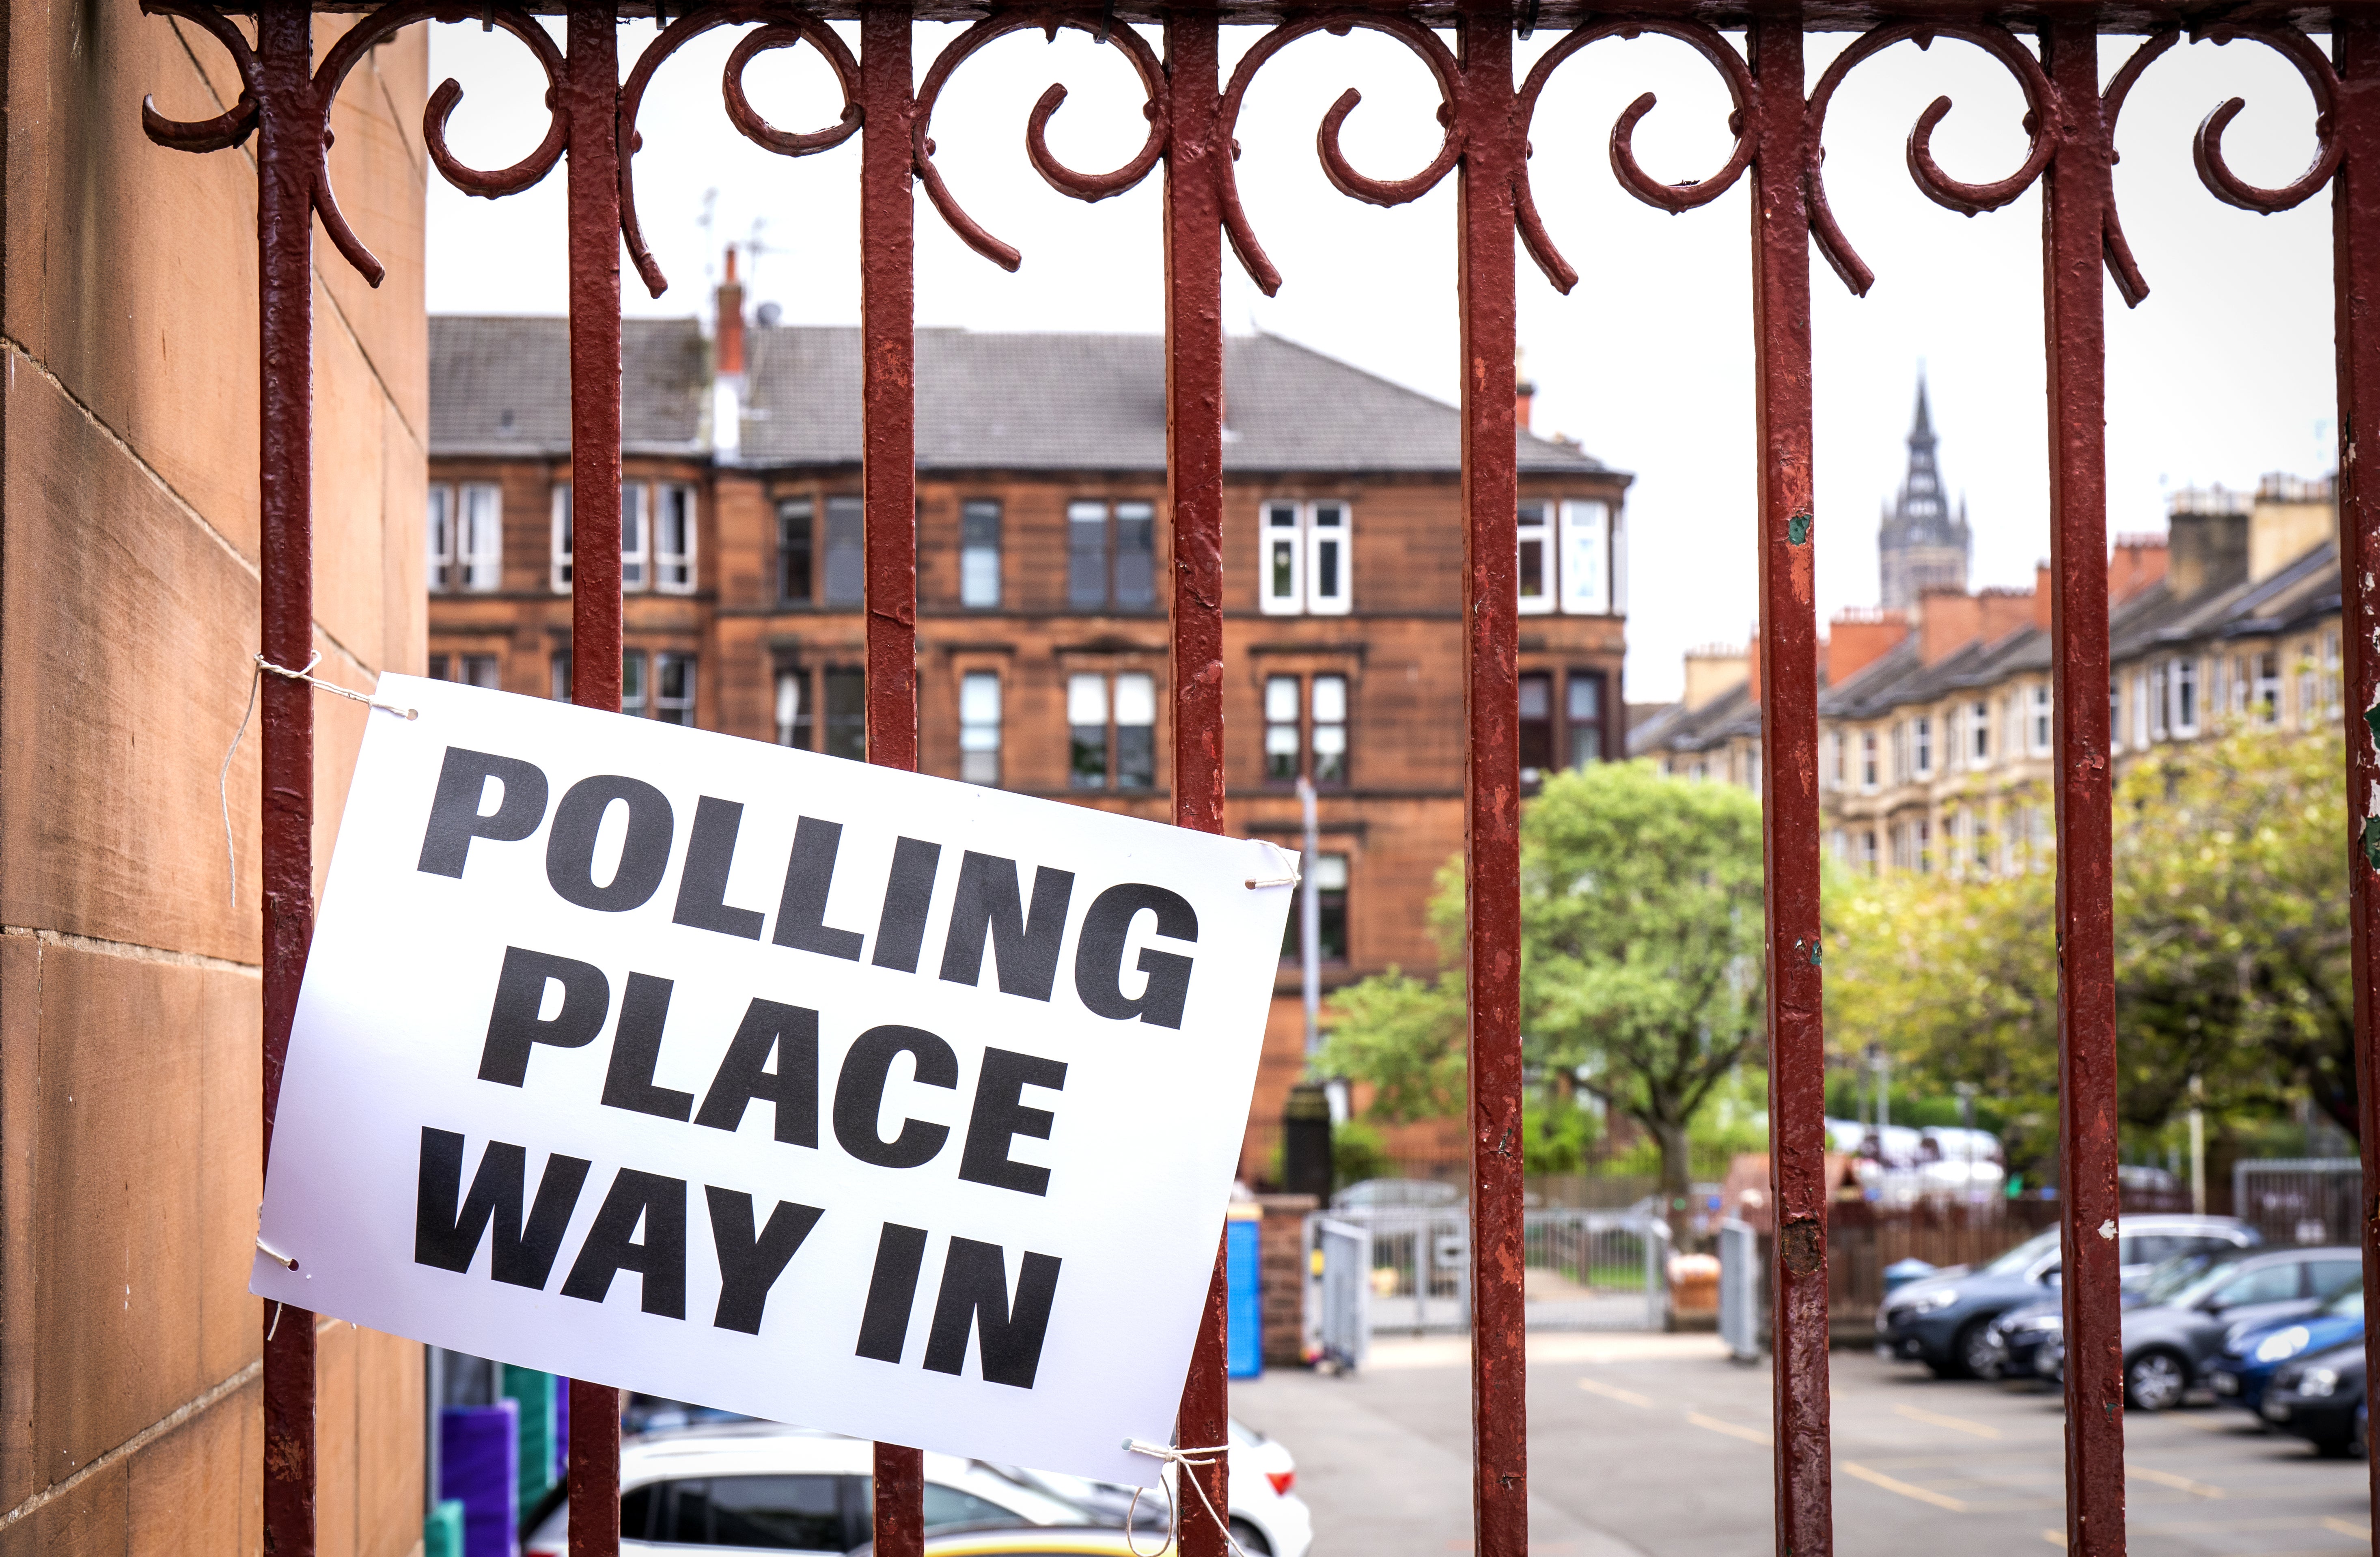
1267 1519
1945 1321
2319 1398
2023 1331
758 1484
2252 1355
2171 1346
1089 1541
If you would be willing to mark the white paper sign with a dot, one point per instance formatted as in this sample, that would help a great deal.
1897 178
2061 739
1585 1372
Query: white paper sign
832 1094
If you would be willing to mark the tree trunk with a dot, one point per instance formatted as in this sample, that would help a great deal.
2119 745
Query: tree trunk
1677 1181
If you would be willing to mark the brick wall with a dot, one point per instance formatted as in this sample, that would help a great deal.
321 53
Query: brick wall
131 1411
1280 1277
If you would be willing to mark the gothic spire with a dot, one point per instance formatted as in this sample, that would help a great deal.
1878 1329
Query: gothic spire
1921 545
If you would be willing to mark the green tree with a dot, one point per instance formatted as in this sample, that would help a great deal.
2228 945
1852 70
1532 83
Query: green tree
1641 967
2232 947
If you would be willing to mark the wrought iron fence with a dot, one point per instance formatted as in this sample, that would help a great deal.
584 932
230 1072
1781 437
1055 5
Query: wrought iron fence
2054 49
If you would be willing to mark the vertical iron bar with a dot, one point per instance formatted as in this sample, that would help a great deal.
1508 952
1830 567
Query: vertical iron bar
591 84
2078 192
1493 154
1789 744
2355 276
289 152
889 485
1193 477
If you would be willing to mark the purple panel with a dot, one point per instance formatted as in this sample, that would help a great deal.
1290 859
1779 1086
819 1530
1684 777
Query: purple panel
478 1465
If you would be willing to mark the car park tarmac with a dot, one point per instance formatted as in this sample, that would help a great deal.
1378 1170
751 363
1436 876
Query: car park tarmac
1657 1446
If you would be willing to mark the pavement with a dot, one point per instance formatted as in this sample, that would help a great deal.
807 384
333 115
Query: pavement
1650 1445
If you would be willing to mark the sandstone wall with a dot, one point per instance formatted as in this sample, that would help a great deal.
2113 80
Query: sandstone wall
130 1415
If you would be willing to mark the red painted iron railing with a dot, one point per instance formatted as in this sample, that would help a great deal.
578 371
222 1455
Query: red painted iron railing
1778 121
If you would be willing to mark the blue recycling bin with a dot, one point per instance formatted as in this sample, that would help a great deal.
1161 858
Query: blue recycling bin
1243 1299
479 1466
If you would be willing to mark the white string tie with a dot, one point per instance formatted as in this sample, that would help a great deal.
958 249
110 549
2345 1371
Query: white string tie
1284 863
1188 1462
223 777
275 1255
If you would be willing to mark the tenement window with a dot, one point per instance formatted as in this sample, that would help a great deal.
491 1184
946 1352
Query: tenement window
2039 700
471 669
1536 726
794 722
795 552
1111 753
673 687
1111 555
1979 724
979 559
1305 714
1921 734
847 713
1585 710
1307 560
466 537
979 727
847 553
1331 898
563 542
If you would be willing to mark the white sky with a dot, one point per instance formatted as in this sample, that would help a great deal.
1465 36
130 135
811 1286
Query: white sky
2223 374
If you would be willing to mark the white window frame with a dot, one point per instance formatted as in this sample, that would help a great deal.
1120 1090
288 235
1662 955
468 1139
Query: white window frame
636 536
2160 700
979 727
479 539
2038 728
1585 555
2189 698
673 570
1922 728
1979 733
1871 763
438 534
1321 538
792 687
564 538
1536 527
1280 522
2140 709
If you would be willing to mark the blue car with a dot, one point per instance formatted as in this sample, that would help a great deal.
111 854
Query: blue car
2251 1358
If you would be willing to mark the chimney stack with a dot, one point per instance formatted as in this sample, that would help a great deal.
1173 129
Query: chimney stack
1860 637
2138 562
730 338
1523 391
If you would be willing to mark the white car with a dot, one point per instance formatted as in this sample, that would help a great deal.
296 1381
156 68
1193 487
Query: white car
1267 1519
762 1487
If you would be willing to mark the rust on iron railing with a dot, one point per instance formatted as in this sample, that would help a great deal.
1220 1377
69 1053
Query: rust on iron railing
1777 124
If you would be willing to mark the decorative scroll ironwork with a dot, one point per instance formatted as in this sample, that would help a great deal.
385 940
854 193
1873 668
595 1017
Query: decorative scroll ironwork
782 27
2207 146
1065 180
1741 91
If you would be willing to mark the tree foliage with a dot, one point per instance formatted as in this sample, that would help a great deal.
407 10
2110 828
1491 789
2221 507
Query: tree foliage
2231 947
1641 967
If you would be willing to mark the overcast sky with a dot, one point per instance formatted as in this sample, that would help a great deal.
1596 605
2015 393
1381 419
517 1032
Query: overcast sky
2225 372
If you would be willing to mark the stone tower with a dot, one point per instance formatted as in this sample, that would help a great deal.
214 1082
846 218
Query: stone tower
1920 546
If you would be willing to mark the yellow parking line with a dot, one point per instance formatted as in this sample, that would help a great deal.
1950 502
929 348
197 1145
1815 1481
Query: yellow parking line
2179 1483
1907 1490
2347 1528
1981 1430
1614 1392
1750 1435
2055 1537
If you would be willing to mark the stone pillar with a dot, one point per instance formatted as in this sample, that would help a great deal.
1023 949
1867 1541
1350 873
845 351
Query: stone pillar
1281 1272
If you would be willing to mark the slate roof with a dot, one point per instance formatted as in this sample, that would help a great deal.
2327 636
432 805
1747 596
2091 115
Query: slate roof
2303 591
1673 726
500 385
1046 401
1084 402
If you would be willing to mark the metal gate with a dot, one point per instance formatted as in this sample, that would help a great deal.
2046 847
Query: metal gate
2058 58
1584 1270
2300 1199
